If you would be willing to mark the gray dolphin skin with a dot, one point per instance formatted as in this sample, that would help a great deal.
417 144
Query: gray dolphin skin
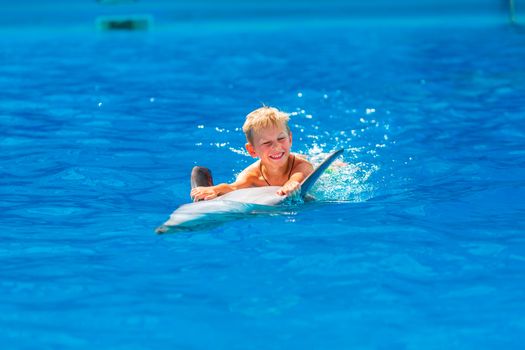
236 203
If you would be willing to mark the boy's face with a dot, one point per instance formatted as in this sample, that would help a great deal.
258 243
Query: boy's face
272 145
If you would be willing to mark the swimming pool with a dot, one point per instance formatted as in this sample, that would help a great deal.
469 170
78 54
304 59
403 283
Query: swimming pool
418 244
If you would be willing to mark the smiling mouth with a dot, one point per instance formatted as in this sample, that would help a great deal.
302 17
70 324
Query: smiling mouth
277 156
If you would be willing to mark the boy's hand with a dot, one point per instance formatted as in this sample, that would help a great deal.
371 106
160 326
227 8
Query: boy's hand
289 187
202 193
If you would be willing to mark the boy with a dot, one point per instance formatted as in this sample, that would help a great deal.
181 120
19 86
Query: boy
269 138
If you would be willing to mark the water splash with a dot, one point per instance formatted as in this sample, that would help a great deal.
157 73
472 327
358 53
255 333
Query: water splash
343 181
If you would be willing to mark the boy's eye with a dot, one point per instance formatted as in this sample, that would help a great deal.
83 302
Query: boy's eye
267 143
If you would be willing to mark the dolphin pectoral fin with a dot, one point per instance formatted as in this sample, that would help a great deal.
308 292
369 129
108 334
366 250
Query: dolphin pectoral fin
201 176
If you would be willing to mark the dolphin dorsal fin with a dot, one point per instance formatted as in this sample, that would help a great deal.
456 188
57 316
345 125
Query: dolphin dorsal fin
307 184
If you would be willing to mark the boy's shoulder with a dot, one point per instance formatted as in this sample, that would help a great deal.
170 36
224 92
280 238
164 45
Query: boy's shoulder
252 169
301 159
251 173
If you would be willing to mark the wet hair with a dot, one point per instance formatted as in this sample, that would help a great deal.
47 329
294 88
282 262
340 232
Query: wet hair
262 118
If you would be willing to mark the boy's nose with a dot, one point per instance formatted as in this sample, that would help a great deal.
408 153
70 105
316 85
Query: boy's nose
275 145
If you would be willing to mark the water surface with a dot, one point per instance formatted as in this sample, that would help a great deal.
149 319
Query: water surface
416 244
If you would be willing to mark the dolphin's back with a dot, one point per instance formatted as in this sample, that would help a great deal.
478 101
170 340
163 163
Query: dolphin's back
266 195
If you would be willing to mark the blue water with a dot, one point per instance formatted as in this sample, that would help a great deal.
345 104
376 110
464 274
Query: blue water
417 244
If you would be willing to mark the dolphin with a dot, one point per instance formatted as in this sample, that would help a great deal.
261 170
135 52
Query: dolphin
238 203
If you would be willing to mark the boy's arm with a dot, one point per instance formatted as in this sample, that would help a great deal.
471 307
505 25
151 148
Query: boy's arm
206 193
299 175
210 192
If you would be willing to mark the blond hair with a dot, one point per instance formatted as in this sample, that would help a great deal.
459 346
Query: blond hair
262 118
